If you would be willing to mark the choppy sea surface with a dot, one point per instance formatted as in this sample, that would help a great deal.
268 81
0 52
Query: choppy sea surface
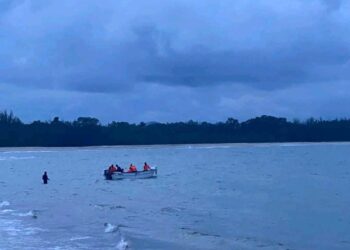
225 196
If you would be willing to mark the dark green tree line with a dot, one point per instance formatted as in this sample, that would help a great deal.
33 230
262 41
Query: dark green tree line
88 131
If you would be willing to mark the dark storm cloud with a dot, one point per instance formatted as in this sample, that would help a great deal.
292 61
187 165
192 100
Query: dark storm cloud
262 69
113 46
6 5
333 4
174 60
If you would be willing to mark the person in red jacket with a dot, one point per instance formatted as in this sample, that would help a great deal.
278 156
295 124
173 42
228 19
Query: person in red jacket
132 169
146 167
112 169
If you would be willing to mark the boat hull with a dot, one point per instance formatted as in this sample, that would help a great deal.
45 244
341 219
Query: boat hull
135 175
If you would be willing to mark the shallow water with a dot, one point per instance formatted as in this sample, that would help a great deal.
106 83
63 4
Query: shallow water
242 196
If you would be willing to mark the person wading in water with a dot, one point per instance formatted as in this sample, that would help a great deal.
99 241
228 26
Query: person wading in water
45 177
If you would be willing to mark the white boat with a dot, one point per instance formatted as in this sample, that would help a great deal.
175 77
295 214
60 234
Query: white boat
152 173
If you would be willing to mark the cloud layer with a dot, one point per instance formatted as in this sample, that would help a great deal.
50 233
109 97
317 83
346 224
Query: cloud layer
174 60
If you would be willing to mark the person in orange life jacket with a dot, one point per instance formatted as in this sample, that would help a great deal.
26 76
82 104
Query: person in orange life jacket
146 167
112 169
132 168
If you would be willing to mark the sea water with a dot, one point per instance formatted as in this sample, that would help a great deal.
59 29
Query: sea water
226 196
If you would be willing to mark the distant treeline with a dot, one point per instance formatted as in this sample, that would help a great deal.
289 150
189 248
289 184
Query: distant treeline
88 131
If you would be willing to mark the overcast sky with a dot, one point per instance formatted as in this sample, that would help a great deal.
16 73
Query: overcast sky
172 60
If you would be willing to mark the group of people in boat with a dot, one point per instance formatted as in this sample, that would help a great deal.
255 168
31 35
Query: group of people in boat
131 169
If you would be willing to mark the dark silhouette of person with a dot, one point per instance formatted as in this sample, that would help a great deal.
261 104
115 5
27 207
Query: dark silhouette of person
119 169
45 177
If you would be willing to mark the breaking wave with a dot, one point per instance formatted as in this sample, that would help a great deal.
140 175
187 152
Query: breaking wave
110 228
31 213
122 244
6 211
4 204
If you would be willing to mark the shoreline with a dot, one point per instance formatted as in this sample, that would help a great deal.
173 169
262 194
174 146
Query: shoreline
179 145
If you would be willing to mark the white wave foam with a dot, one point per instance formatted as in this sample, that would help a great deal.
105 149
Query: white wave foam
12 231
30 213
12 158
62 248
15 227
4 204
21 157
110 228
15 235
214 147
6 211
10 227
27 151
32 230
122 244
79 238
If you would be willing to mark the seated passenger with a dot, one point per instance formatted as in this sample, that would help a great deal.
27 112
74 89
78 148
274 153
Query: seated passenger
132 169
119 169
146 167
112 169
